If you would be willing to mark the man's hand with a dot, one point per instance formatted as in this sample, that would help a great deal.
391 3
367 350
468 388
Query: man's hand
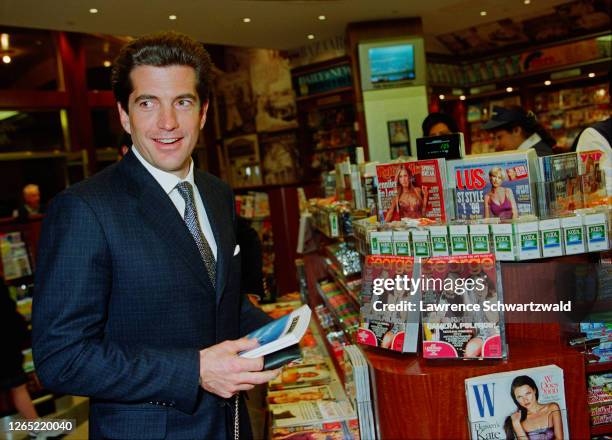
224 373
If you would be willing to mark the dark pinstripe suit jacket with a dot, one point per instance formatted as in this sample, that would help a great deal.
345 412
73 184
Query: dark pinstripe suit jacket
123 304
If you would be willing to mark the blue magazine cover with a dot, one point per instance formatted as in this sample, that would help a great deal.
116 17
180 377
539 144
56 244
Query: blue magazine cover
493 186
270 332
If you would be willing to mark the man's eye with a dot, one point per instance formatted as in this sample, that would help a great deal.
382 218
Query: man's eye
185 103
146 104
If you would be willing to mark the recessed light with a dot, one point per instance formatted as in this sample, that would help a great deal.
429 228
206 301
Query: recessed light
107 63
310 36
483 13
462 97
547 82
441 97
6 59
509 89
322 17
93 11
246 20
527 2
591 75
172 17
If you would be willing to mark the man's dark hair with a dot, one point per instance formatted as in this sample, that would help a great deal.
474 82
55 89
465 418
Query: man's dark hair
161 50
436 118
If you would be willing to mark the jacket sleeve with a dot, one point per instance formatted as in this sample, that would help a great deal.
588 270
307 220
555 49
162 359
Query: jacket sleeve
251 318
71 353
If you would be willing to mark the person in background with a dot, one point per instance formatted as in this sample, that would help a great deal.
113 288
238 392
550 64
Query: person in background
436 124
514 128
251 281
30 204
137 302
13 336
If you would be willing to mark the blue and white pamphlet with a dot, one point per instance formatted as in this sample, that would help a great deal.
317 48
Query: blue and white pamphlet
280 333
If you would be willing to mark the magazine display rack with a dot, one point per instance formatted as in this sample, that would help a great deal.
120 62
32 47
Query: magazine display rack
418 398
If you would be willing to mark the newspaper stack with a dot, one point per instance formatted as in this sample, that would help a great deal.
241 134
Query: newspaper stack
357 383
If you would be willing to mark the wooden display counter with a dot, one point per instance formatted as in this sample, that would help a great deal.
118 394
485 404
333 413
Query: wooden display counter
425 399
420 399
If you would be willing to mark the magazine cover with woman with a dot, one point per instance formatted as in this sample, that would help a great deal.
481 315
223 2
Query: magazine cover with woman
456 323
396 330
412 190
498 185
520 404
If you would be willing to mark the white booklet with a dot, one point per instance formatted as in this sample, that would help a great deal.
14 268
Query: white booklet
280 333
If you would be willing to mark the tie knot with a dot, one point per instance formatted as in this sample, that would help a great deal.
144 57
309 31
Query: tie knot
186 191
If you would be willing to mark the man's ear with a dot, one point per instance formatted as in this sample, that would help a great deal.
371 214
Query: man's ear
124 118
203 111
518 131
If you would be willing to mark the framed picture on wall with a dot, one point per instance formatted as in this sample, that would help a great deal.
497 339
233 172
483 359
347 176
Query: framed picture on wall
242 154
399 138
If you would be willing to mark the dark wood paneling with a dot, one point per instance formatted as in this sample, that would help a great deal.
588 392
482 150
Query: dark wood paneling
101 98
73 66
33 99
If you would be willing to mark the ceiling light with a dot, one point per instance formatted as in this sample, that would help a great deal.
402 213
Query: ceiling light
591 75
310 36
107 63
4 41
246 20
93 11
6 59
509 89
172 17
462 97
322 17
483 13
527 2
547 82
441 97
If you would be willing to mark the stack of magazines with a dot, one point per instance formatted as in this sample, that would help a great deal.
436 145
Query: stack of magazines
357 384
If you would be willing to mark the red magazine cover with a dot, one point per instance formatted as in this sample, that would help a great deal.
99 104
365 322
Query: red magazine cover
395 330
593 182
452 327
411 190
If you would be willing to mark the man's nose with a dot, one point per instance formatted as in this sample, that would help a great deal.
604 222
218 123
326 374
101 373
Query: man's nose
167 119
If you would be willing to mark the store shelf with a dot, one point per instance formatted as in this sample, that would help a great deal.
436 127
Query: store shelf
599 367
329 349
337 147
348 330
340 281
601 429
324 94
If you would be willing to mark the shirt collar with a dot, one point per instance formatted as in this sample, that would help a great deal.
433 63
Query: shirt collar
530 142
166 180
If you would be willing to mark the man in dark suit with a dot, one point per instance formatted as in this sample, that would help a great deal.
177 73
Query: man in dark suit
137 301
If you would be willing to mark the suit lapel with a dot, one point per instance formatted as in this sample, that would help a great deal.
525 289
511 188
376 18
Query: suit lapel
216 210
161 214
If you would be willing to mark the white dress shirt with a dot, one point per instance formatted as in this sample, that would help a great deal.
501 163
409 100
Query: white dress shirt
530 142
168 182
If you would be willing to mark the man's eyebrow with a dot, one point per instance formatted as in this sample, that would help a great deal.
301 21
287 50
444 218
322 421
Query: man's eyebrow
143 97
188 96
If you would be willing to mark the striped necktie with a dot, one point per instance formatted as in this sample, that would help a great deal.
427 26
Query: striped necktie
191 220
